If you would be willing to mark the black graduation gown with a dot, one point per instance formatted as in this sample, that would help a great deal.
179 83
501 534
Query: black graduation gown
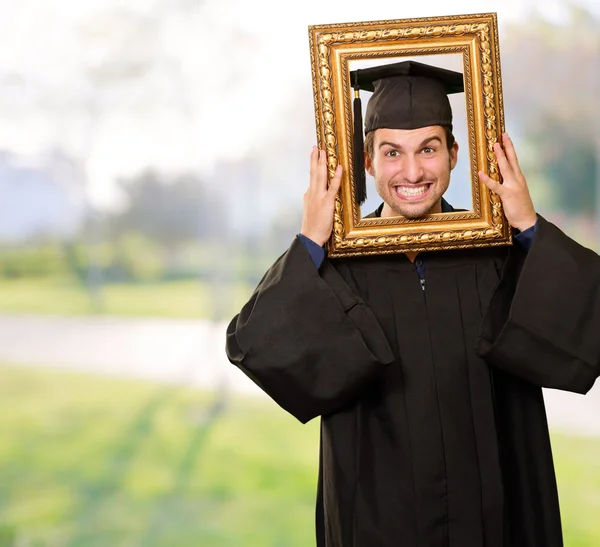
433 428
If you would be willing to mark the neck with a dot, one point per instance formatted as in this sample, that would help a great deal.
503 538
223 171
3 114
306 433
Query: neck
387 211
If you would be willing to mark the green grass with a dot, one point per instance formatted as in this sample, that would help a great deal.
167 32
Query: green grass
166 299
88 461
577 463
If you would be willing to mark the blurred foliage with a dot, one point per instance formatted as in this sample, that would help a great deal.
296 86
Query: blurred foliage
139 257
182 298
38 260
568 163
168 210
89 461
551 91
133 257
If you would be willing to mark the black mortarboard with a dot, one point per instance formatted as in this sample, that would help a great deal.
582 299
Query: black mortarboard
406 95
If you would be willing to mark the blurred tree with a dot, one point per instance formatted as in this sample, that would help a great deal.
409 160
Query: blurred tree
568 162
138 258
119 69
42 260
552 89
168 211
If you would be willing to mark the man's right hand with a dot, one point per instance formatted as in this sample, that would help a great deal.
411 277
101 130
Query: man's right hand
319 200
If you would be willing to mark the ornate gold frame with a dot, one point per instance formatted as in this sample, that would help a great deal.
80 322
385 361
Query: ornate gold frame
476 37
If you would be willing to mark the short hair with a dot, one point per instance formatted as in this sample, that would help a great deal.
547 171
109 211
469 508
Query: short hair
370 138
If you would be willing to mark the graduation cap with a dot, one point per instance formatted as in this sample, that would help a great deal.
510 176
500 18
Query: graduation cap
406 95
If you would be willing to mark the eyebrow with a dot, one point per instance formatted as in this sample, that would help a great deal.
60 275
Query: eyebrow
398 147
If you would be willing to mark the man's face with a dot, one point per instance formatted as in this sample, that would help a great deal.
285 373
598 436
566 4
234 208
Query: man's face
411 168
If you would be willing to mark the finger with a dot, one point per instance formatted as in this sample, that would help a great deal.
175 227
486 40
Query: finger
503 164
511 154
314 163
492 184
322 172
336 181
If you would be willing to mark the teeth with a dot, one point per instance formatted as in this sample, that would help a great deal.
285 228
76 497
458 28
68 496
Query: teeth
410 191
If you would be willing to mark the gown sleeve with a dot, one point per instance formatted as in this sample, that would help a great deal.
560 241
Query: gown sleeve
306 339
543 321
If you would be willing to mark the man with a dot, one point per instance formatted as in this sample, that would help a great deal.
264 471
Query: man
426 370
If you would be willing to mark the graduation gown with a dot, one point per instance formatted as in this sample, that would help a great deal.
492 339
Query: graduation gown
433 427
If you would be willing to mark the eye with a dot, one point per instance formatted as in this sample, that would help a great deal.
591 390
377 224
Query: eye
391 153
428 150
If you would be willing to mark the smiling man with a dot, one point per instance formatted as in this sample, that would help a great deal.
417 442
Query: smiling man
426 371
410 148
411 169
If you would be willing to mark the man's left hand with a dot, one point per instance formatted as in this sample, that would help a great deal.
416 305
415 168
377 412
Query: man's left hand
514 192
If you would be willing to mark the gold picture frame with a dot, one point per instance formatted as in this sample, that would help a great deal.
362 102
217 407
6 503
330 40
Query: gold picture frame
332 48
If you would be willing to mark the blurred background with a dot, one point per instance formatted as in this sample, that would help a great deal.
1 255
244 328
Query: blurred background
153 158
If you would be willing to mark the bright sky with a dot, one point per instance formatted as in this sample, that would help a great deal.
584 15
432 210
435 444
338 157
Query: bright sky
201 68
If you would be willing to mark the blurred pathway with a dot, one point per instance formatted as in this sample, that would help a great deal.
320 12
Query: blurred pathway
167 350
189 352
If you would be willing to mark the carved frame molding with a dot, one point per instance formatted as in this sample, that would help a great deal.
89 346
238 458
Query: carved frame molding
476 37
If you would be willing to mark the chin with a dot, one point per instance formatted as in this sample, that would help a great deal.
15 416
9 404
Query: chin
413 211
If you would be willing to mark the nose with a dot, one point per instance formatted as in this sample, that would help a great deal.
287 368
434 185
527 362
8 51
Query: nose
412 169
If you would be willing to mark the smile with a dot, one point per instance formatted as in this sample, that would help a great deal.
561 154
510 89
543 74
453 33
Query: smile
412 192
